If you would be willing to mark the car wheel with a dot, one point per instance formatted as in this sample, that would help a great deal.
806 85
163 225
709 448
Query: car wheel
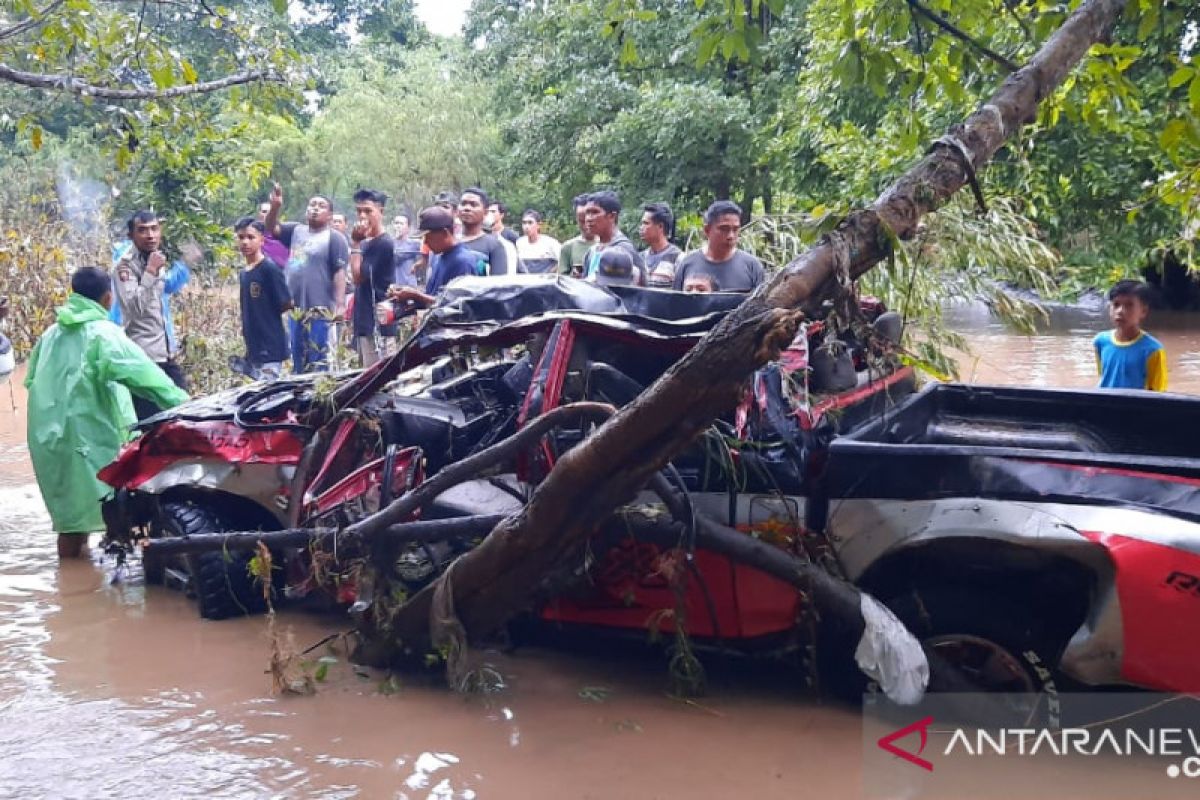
985 642
220 580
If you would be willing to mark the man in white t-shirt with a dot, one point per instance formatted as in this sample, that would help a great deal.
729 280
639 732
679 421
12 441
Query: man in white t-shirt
538 251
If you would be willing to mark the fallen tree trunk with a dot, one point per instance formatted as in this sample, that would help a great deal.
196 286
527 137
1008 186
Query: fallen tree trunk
425 530
472 466
835 599
499 577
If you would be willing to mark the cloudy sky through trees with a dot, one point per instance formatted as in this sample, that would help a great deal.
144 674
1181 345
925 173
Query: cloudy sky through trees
442 17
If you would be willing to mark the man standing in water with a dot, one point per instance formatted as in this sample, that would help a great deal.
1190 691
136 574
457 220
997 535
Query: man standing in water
316 275
79 379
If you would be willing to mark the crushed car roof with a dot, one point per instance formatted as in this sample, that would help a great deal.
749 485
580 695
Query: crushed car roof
520 297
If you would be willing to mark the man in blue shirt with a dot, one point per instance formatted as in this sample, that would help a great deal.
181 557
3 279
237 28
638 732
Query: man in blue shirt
407 251
450 258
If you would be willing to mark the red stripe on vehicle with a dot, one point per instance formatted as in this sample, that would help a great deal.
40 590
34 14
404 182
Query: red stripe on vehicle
1159 591
1124 473
809 419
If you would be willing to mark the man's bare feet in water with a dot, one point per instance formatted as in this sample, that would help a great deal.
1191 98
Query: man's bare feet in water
73 545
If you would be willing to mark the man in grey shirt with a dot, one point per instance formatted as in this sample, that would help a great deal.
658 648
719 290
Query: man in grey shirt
316 277
658 225
601 217
731 269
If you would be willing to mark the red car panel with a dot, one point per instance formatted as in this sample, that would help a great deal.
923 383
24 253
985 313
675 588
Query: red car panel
1159 590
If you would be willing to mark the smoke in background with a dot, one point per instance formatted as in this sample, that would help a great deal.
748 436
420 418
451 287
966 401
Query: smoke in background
84 207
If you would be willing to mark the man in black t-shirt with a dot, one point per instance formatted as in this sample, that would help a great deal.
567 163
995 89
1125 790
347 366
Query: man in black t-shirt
492 258
494 222
264 299
372 265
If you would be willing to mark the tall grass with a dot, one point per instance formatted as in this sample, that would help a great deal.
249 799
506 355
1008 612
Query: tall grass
209 325
39 248
46 233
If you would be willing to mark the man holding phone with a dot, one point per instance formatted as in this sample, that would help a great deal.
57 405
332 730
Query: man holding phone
144 284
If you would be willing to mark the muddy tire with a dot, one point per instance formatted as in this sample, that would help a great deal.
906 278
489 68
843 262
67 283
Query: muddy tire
992 640
221 581
996 642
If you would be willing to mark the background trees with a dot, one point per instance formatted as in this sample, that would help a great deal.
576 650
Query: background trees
792 107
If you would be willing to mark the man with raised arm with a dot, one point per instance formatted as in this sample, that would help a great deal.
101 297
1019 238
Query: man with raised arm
316 276
144 283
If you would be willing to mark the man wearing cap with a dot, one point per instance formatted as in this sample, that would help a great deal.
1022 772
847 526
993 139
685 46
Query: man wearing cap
601 216
420 268
614 268
453 259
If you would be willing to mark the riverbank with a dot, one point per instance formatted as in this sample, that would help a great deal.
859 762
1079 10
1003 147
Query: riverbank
1061 352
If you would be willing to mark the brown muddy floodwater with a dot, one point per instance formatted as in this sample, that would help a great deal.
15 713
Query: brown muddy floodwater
1061 353
115 690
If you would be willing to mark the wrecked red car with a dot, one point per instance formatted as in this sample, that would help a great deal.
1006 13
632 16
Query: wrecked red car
1019 533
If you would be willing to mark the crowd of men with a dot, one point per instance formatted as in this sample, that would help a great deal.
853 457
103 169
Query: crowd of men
302 279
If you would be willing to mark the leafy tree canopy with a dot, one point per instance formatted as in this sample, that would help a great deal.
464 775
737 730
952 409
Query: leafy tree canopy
782 105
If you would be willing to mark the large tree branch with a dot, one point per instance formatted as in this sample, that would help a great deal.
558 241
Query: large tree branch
962 36
501 575
66 83
33 21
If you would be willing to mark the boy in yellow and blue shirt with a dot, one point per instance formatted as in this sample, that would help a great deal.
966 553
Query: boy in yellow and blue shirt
1127 357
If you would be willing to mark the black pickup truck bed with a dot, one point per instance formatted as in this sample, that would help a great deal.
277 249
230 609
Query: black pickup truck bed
1092 421
1098 446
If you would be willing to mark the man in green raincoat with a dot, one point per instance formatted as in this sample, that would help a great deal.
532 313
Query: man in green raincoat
80 411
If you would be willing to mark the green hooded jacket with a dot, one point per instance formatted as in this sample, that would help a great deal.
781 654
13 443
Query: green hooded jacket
80 411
